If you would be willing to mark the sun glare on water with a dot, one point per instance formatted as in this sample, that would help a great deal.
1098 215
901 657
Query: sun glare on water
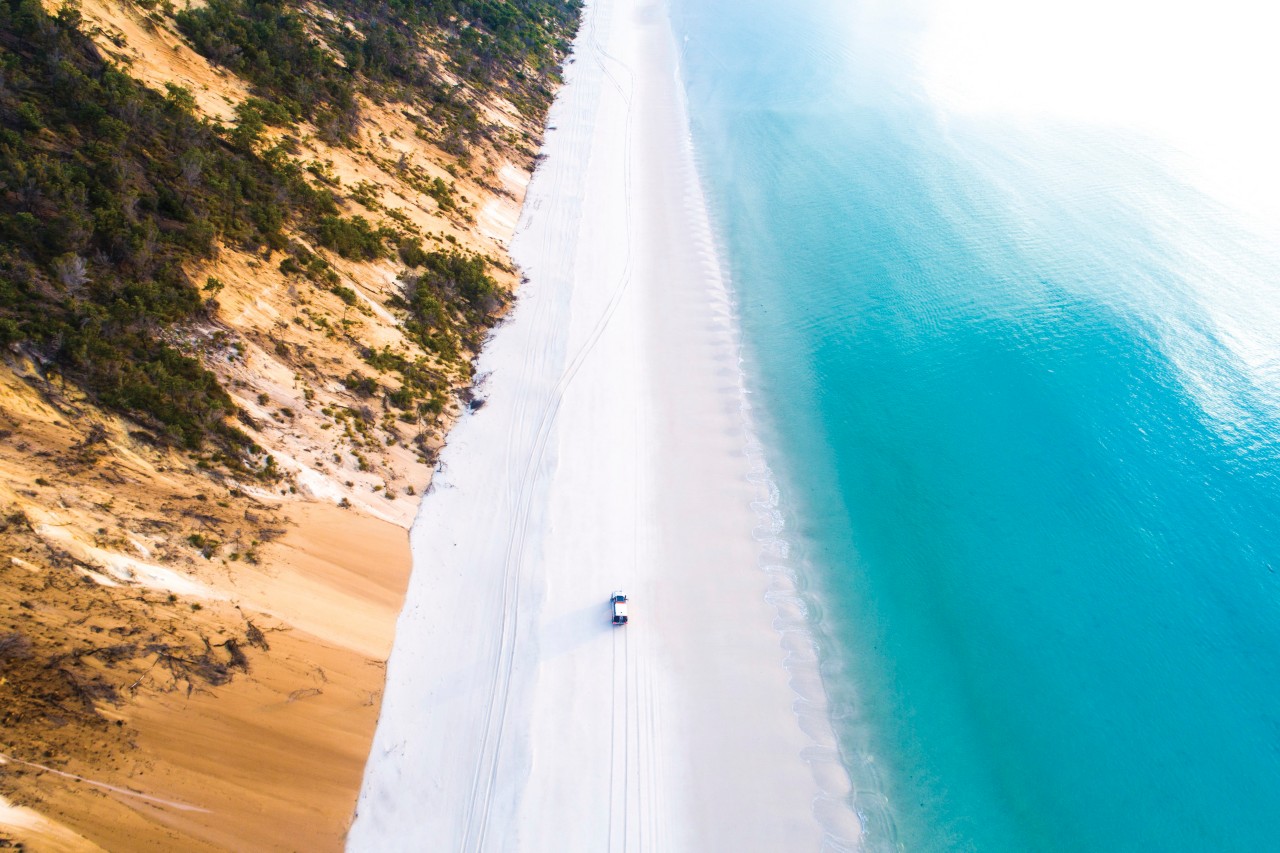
1189 84
1197 77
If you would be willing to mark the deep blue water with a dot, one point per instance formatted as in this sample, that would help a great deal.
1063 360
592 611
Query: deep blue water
1019 389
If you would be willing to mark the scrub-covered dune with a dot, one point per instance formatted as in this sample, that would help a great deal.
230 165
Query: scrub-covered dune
247 253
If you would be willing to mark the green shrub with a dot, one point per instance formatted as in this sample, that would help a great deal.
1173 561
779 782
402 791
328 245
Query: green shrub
120 188
465 275
362 386
346 294
411 252
384 45
267 43
354 239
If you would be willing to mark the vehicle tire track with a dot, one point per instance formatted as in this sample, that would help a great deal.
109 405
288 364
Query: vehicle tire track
613 736
484 782
626 737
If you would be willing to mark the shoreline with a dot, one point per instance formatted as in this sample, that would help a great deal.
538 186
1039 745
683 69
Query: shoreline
796 610
613 452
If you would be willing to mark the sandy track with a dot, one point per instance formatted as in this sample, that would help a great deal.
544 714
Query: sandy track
609 455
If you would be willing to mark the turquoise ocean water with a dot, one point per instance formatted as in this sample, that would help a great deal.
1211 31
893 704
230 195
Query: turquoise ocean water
1019 378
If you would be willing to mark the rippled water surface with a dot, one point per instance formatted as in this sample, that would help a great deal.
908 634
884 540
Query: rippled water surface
1019 369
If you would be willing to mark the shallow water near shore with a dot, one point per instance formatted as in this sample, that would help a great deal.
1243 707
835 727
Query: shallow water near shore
1017 369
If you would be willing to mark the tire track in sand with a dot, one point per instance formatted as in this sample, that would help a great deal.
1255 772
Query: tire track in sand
485 776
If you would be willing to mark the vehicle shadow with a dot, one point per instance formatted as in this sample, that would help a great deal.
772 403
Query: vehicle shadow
554 638
568 631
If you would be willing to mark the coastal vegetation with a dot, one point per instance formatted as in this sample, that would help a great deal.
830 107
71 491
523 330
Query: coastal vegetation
411 51
110 190
246 257
107 189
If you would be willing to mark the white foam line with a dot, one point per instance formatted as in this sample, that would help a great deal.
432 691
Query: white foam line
833 805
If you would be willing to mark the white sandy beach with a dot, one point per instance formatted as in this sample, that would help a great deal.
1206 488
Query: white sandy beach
610 454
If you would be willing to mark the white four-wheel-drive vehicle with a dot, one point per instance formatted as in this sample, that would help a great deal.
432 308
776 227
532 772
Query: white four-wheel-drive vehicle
619 602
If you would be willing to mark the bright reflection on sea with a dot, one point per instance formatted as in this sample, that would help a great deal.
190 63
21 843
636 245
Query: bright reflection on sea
1009 277
1191 85
1199 76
